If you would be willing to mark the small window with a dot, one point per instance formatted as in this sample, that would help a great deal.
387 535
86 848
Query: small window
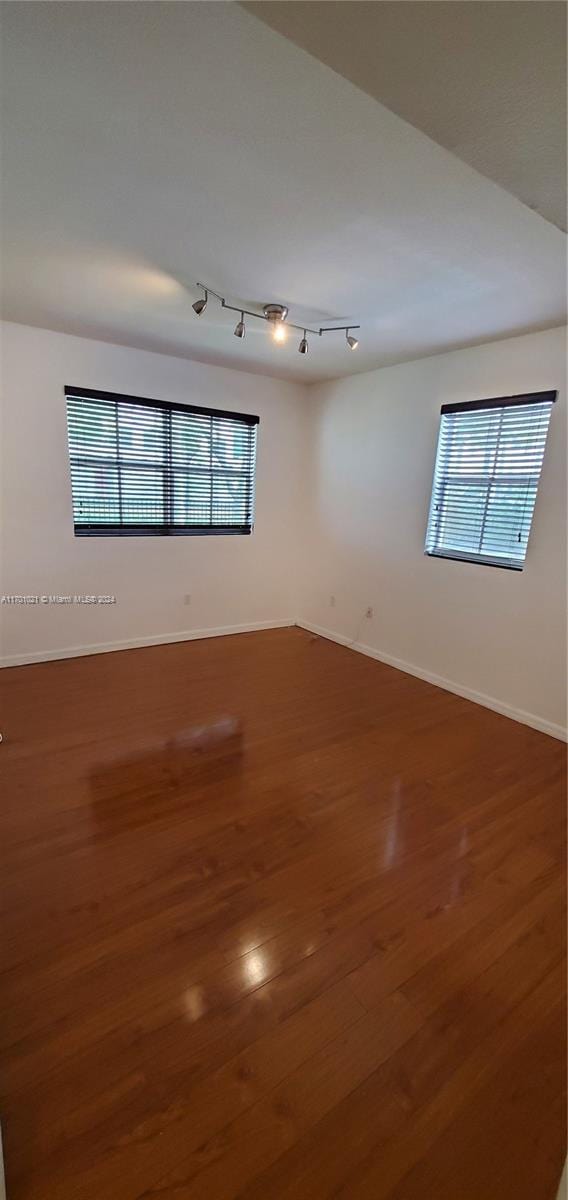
147 468
486 478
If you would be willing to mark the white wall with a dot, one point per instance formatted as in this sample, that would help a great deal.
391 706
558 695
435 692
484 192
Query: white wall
343 485
233 581
482 629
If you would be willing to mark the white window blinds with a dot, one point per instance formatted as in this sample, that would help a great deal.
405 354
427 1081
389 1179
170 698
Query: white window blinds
147 467
488 467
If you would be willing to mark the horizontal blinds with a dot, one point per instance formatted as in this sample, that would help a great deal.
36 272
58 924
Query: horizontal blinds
146 467
486 477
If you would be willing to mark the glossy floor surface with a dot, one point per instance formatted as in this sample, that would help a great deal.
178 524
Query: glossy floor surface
278 921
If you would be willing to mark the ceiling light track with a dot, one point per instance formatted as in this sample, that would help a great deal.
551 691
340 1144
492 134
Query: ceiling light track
276 316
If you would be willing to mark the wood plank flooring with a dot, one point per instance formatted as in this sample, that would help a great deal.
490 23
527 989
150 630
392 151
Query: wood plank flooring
278 921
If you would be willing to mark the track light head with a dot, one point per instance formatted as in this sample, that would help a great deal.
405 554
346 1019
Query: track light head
200 305
240 327
303 347
352 342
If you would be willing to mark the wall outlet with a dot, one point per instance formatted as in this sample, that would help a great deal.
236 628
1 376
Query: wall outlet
187 598
369 613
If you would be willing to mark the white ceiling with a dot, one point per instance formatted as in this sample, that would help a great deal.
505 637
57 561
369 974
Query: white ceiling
147 146
486 79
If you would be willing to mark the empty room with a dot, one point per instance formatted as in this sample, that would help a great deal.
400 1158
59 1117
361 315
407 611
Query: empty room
283 600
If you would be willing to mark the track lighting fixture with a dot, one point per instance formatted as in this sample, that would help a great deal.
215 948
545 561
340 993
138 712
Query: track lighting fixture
276 315
201 305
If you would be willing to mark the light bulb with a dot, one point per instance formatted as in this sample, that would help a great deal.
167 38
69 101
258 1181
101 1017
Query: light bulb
279 332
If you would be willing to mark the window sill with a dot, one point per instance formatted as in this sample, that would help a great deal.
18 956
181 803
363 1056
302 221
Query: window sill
482 562
159 531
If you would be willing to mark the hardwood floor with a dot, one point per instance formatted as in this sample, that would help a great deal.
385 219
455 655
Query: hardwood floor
278 921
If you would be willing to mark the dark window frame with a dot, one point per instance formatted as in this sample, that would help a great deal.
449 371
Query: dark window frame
167 528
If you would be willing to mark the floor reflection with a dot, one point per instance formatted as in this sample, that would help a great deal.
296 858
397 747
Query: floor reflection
255 967
460 879
392 839
134 787
194 1002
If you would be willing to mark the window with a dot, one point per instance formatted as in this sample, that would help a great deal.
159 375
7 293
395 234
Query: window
144 467
486 477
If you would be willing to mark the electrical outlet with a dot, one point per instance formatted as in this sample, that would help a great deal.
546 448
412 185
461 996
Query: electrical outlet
187 598
332 601
369 613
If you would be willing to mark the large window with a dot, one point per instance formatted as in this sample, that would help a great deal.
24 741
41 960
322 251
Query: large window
486 478
144 467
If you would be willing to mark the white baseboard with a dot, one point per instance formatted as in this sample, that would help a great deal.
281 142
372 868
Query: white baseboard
506 710
157 639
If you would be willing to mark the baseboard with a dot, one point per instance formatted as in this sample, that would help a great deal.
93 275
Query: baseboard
505 710
159 639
